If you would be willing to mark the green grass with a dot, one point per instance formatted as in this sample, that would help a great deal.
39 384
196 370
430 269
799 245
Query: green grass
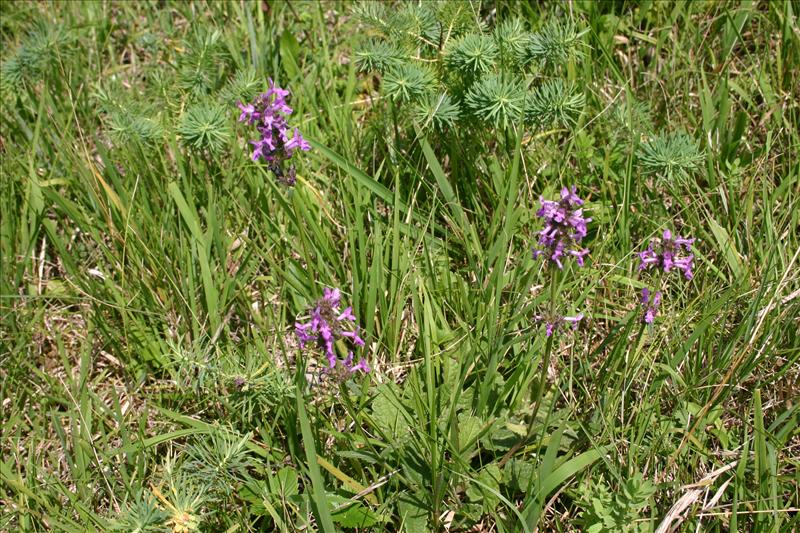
151 274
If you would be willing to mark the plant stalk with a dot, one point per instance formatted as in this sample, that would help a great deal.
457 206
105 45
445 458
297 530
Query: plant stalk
542 384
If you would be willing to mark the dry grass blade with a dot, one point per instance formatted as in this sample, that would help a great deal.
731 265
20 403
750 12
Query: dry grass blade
693 494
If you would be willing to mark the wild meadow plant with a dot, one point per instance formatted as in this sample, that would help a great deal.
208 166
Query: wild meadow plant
268 113
327 324
558 241
664 255
162 318
466 86
447 68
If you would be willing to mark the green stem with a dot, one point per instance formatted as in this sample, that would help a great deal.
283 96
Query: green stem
635 349
542 384
548 350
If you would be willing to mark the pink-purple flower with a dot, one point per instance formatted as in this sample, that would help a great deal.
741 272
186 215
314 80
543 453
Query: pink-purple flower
269 112
326 324
565 227
650 305
297 141
668 253
249 113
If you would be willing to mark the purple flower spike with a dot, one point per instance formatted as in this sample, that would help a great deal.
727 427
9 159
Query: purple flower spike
326 325
268 112
650 305
348 364
564 228
332 361
666 254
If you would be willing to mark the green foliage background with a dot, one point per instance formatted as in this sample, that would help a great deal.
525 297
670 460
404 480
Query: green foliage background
151 273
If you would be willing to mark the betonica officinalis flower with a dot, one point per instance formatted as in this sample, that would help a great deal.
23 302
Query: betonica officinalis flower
564 228
650 305
327 324
269 112
666 253
663 256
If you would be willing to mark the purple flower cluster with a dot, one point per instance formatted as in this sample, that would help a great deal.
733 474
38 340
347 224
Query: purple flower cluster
327 324
565 227
555 323
650 305
666 253
268 112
